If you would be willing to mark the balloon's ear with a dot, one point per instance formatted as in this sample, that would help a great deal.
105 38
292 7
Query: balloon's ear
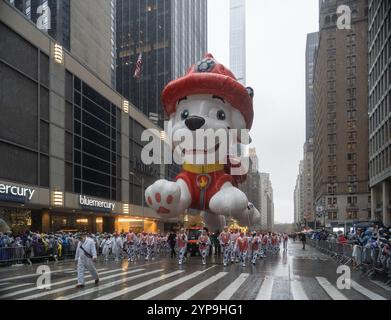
250 92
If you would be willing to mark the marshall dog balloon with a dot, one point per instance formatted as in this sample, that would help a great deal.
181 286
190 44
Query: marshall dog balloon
207 101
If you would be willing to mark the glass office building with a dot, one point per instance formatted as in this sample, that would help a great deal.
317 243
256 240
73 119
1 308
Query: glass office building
168 35
67 144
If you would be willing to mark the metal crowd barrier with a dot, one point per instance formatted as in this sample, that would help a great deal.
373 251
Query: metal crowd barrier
367 258
29 254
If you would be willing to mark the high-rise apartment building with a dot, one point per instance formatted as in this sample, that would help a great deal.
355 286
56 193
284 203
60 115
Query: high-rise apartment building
237 40
380 108
341 115
167 37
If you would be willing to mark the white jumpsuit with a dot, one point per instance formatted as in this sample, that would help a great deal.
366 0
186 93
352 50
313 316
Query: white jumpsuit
106 246
84 261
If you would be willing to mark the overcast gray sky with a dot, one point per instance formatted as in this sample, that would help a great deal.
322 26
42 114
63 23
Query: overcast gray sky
276 38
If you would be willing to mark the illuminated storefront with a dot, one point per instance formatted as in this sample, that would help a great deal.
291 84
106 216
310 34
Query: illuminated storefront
136 224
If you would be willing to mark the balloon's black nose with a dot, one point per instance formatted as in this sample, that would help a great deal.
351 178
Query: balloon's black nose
194 122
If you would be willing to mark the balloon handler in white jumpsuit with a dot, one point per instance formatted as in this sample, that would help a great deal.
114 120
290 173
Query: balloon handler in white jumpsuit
182 246
85 257
225 243
204 245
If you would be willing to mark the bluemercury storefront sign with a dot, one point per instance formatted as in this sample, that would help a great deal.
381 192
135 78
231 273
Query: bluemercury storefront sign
94 204
9 192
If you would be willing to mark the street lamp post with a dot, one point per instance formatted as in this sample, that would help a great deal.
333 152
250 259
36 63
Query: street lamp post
142 195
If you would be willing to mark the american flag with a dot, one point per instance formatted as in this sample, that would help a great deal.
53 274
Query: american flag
139 63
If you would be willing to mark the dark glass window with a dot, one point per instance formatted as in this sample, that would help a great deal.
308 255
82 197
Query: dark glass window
44 103
18 52
77 113
68 116
44 137
44 171
77 172
77 99
68 177
44 69
95 190
95 123
97 111
18 164
96 150
96 164
96 97
77 83
19 107
77 142
96 137
69 86
68 147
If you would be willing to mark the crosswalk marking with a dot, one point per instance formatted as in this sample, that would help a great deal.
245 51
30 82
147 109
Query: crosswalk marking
265 292
32 275
297 291
40 295
371 295
330 289
192 291
108 285
155 292
16 286
138 286
53 284
381 285
228 292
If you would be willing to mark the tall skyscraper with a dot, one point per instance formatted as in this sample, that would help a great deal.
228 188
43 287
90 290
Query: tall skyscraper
380 108
341 115
56 21
166 37
267 202
252 186
237 40
311 47
85 28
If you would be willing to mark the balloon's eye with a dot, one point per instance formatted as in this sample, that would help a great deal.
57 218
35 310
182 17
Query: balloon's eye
185 114
221 115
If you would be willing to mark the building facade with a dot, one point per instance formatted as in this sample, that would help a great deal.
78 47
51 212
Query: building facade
70 146
167 36
267 202
341 116
85 28
252 186
380 109
311 48
237 40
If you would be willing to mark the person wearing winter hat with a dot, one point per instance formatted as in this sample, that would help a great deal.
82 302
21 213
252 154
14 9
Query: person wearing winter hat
210 98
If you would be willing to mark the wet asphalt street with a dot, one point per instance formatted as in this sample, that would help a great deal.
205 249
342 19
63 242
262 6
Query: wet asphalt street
292 275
